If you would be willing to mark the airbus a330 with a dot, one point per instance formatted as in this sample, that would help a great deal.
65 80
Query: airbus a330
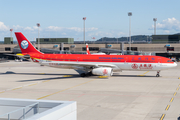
89 64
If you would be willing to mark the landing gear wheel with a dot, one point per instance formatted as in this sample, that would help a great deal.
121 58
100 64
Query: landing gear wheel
157 75
82 74
89 74
86 74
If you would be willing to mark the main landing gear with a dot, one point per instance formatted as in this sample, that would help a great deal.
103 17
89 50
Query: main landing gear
157 75
86 74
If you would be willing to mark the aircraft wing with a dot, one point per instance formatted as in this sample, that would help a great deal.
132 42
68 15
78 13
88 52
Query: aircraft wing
85 65
27 57
18 55
92 65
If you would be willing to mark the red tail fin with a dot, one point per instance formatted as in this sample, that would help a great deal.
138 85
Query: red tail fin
87 49
25 45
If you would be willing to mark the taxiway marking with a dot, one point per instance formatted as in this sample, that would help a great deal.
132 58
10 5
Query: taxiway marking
41 73
167 108
46 81
103 77
171 99
162 117
67 75
177 88
65 89
33 84
143 74
19 87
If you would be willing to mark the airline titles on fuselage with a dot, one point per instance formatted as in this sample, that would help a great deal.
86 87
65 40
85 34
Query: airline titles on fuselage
141 66
133 58
110 58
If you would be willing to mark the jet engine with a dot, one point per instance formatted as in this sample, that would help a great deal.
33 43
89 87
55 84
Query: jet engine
26 56
102 71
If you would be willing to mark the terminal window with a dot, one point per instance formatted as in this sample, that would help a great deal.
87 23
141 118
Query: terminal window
46 40
7 49
65 48
91 48
53 40
132 48
170 48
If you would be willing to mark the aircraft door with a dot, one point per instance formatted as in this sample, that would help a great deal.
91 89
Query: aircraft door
159 61
126 60
78 59
158 66
126 64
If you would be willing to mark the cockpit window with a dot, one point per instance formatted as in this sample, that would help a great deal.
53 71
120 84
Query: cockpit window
169 61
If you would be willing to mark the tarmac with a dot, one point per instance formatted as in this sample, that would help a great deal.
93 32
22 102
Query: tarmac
137 95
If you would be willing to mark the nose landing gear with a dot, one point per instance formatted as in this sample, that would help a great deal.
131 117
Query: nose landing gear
157 75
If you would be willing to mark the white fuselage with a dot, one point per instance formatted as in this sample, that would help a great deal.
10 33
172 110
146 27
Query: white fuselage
120 66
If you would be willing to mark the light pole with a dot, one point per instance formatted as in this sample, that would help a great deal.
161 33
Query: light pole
94 39
38 25
11 32
84 18
154 19
130 14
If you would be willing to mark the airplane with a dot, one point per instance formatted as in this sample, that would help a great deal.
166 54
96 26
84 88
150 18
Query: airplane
89 64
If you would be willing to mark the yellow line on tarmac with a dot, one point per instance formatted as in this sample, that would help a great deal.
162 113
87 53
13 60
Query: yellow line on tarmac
140 75
175 93
33 84
167 107
17 88
64 89
67 76
2 92
143 74
46 81
22 86
177 88
171 99
102 76
162 117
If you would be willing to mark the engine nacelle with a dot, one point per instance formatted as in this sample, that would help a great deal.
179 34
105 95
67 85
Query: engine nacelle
102 71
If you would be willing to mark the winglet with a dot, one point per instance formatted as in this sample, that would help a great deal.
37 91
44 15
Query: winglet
87 49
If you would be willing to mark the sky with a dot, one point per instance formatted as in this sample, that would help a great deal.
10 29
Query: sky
104 18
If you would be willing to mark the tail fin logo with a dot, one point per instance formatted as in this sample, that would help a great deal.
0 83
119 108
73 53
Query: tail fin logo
24 44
